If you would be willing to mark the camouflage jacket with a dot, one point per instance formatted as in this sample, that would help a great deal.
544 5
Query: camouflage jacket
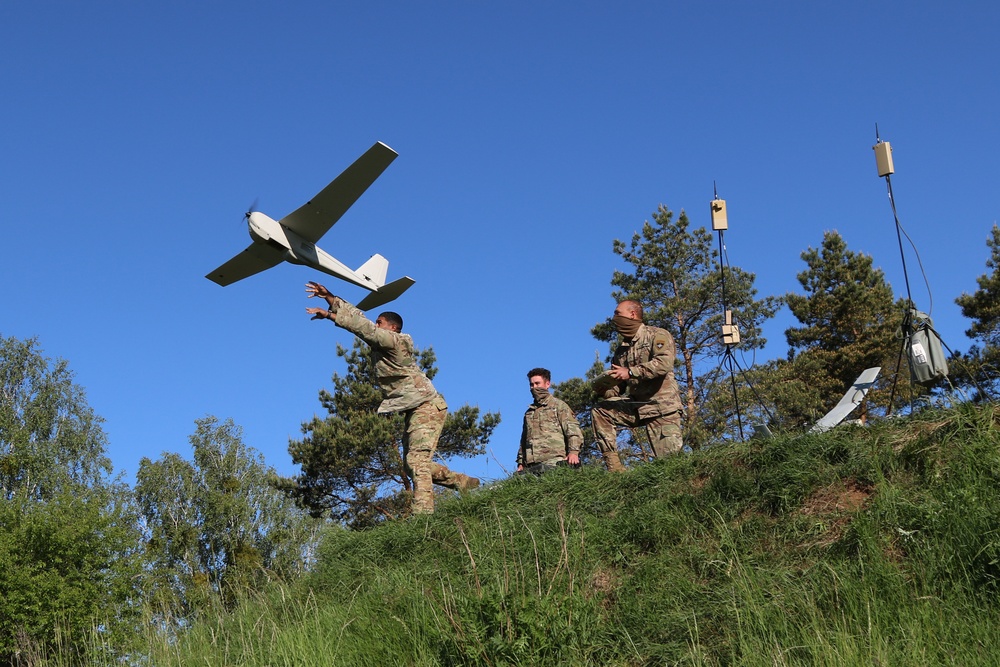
649 357
403 384
549 433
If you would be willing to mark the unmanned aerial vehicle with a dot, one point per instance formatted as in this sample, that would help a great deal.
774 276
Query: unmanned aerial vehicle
293 238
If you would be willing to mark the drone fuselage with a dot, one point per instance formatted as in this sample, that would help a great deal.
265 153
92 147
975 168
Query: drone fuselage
293 238
265 229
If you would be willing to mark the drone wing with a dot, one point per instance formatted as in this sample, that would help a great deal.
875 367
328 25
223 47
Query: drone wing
317 216
256 258
852 399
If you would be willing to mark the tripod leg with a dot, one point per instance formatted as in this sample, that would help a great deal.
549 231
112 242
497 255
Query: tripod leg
730 362
907 329
753 389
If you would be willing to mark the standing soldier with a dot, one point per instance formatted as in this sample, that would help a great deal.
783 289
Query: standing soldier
405 389
550 433
640 389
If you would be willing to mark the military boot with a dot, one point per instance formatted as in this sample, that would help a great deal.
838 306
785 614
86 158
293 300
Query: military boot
466 483
452 480
613 461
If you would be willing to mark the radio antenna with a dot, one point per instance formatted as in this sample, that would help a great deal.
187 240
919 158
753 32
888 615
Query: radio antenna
730 331
920 341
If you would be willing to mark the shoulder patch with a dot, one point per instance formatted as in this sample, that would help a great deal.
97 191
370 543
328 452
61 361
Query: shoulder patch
660 342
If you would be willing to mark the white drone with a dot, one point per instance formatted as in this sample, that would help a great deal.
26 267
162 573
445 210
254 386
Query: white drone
293 238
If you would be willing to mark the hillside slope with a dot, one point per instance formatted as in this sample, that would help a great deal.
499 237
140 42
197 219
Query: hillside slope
861 546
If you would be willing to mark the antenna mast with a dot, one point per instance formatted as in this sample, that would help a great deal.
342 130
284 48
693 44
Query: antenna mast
730 331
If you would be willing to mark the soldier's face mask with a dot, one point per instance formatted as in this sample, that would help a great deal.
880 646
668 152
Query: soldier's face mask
626 326
539 393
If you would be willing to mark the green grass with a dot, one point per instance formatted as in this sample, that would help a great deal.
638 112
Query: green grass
861 546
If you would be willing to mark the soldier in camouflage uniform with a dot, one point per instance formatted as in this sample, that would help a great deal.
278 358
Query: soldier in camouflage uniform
550 433
640 389
405 389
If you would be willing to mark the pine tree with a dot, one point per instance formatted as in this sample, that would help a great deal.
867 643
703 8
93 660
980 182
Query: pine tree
849 322
981 365
675 275
352 459
579 396
983 305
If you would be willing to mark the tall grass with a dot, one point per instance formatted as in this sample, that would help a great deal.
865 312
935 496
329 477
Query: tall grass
874 546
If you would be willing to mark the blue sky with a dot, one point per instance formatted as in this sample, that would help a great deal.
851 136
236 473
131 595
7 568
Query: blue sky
530 136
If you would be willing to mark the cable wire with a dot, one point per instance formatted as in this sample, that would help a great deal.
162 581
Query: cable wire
900 232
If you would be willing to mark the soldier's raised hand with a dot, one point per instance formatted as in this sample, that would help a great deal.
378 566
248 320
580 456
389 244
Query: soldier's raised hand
315 289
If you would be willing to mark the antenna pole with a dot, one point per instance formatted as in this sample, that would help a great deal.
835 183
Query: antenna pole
921 344
899 238
730 331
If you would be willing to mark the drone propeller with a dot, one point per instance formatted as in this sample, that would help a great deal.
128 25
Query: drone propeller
252 209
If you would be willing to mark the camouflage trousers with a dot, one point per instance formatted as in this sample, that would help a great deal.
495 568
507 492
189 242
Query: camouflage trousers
423 426
543 467
664 431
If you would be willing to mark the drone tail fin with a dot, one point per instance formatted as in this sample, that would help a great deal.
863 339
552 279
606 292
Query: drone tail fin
374 270
386 293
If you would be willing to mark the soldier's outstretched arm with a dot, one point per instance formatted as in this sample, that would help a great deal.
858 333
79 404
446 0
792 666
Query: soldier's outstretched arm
349 317
315 289
318 313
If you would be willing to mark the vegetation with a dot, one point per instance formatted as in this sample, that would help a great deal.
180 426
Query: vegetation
68 529
983 305
860 546
849 321
579 395
214 526
979 367
352 459
675 274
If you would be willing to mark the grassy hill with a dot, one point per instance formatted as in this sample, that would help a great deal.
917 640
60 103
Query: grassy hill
862 546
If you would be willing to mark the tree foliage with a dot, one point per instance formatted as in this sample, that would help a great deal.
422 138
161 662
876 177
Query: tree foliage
351 458
849 321
68 530
675 274
983 305
216 527
579 396
981 364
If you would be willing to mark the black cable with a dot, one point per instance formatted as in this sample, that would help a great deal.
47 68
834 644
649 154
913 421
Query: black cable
722 273
906 328
729 361
727 357
900 230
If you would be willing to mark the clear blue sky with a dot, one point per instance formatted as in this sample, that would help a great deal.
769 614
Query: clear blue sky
530 135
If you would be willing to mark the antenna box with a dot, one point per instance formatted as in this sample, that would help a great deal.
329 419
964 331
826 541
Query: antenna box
883 158
730 332
719 219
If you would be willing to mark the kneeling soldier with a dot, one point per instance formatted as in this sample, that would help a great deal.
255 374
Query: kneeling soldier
639 390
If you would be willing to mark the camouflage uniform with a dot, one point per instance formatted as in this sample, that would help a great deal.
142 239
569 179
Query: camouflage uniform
550 432
649 397
407 390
